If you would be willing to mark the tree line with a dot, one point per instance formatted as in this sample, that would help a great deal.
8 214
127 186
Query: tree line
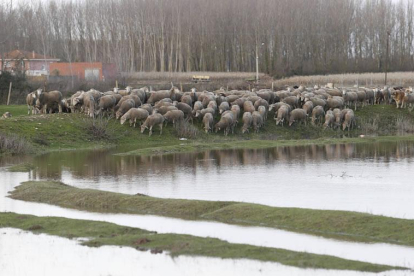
290 37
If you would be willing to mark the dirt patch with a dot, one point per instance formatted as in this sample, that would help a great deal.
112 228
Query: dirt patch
35 227
142 241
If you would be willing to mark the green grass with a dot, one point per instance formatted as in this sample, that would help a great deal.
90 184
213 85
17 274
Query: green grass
24 167
103 233
69 131
341 225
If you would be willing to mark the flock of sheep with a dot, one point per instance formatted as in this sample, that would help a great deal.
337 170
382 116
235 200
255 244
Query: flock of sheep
329 106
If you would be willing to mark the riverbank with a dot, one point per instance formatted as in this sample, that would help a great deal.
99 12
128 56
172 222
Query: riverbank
56 132
340 225
102 233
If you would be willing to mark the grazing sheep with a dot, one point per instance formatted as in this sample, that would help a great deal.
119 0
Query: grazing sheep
156 96
335 102
257 121
349 120
329 119
318 102
247 121
173 116
134 115
317 114
224 106
48 99
197 106
31 103
238 101
263 111
261 102
408 101
337 115
297 115
125 106
226 123
201 113
151 121
248 107
6 115
208 122
235 109
147 107
282 114
350 98
184 108
87 101
278 105
106 104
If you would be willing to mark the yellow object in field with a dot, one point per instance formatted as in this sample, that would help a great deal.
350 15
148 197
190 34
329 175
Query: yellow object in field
201 78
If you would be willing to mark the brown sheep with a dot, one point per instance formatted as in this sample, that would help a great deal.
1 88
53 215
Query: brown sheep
125 106
184 108
334 102
308 107
147 107
297 115
173 116
48 99
292 101
261 102
317 114
247 121
151 121
208 122
164 109
134 115
156 96
106 103
226 123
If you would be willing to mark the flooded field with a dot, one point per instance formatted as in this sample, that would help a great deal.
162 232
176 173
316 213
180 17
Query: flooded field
373 178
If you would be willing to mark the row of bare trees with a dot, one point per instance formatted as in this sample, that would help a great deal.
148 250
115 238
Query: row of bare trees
291 36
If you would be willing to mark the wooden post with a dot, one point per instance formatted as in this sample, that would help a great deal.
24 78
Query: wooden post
8 98
181 86
272 86
116 84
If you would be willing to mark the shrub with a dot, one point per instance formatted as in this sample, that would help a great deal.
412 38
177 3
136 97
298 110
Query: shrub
14 144
183 129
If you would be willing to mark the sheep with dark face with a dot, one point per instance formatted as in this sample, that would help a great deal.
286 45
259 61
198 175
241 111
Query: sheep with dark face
48 99
134 115
151 121
208 122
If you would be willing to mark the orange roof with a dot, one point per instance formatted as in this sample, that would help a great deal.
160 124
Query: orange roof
20 54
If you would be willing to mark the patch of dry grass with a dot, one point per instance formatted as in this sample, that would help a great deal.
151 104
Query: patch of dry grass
366 79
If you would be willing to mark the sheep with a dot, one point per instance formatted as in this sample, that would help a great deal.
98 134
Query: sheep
47 99
208 122
6 115
226 123
297 115
317 114
276 106
238 101
318 102
308 107
263 111
134 115
106 103
187 99
268 96
261 102
349 120
135 98
197 106
291 100
329 119
224 106
408 100
257 121
125 106
248 107
334 102
247 121
282 114
87 101
173 116
184 108
151 121
31 103
201 113
235 109
350 98
147 107
164 109
140 93
156 96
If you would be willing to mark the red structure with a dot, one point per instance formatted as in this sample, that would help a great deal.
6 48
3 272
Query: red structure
89 71
31 63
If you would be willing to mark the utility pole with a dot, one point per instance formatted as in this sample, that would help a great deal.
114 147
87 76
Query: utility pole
386 57
257 64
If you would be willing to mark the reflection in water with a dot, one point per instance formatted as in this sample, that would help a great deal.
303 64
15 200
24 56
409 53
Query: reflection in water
374 178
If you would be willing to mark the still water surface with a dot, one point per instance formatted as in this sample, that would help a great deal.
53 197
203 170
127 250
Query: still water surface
377 178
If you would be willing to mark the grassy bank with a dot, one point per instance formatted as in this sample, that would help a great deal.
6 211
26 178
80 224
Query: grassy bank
52 132
103 233
341 225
